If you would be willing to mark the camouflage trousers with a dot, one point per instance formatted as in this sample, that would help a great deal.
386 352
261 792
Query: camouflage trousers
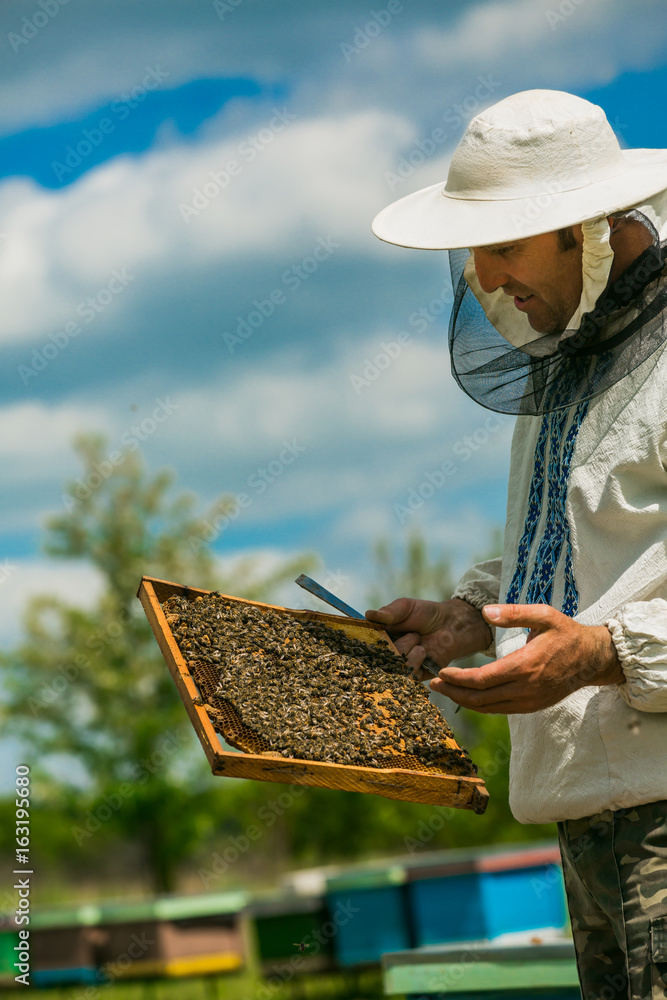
615 869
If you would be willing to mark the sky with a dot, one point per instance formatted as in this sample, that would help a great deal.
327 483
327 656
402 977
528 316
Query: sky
186 259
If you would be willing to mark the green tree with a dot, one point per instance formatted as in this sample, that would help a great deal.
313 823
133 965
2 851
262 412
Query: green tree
89 688
419 575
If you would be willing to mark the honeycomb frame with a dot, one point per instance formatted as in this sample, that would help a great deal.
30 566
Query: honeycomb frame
403 776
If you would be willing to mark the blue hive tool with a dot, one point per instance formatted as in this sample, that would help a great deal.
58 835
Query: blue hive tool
325 595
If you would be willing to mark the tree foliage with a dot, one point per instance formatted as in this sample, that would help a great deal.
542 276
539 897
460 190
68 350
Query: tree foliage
88 689
417 574
117 769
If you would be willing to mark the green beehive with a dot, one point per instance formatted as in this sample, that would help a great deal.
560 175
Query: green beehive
288 930
8 942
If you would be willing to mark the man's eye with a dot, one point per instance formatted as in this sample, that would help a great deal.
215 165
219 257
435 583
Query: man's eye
503 250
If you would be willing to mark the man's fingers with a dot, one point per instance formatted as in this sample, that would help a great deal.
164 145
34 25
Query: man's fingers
415 658
506 700
407 642
422 674
382 615
491 675
532 616
414 653
391 614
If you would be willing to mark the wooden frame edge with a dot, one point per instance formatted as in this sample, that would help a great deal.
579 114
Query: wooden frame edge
462 791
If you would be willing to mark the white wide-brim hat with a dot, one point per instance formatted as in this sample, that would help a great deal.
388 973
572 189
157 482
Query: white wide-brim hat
535 162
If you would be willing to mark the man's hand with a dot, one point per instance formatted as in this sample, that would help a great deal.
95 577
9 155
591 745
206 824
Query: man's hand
444 631
559 657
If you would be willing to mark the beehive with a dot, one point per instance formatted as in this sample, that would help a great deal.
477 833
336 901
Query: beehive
399 775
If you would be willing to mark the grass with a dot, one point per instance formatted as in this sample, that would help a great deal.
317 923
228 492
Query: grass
233 986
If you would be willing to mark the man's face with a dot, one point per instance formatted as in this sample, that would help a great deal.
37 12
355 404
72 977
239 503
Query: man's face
544 280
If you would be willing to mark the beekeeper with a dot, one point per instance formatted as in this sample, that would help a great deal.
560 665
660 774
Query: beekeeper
559 316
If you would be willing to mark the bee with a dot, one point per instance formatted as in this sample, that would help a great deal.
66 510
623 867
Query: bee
302 689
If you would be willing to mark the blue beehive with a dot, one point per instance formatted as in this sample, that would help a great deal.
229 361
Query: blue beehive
447 907
378 915
83 975
523 898
486 895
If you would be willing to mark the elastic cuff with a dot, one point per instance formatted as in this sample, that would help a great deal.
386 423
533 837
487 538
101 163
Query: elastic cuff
645 686
479 599
620 641
474 595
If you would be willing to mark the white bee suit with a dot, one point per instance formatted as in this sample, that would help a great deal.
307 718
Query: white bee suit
601 747
586 528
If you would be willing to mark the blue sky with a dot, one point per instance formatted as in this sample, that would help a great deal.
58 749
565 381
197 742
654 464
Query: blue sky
231 191
58 154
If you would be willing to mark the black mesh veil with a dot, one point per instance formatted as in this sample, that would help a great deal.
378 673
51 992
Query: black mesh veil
627 324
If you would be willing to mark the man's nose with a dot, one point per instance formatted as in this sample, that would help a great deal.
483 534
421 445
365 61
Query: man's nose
490 272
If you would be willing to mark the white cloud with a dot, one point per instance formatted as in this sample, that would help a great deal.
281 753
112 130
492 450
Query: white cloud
327 166
78 584
530 43
63 246
428 54
296 442
412 405
252 566
109 45
323 174
35 440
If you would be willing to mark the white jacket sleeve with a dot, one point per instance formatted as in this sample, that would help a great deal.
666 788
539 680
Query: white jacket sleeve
640 635
481 586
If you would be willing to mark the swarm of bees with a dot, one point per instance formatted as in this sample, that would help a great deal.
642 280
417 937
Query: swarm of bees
307 690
